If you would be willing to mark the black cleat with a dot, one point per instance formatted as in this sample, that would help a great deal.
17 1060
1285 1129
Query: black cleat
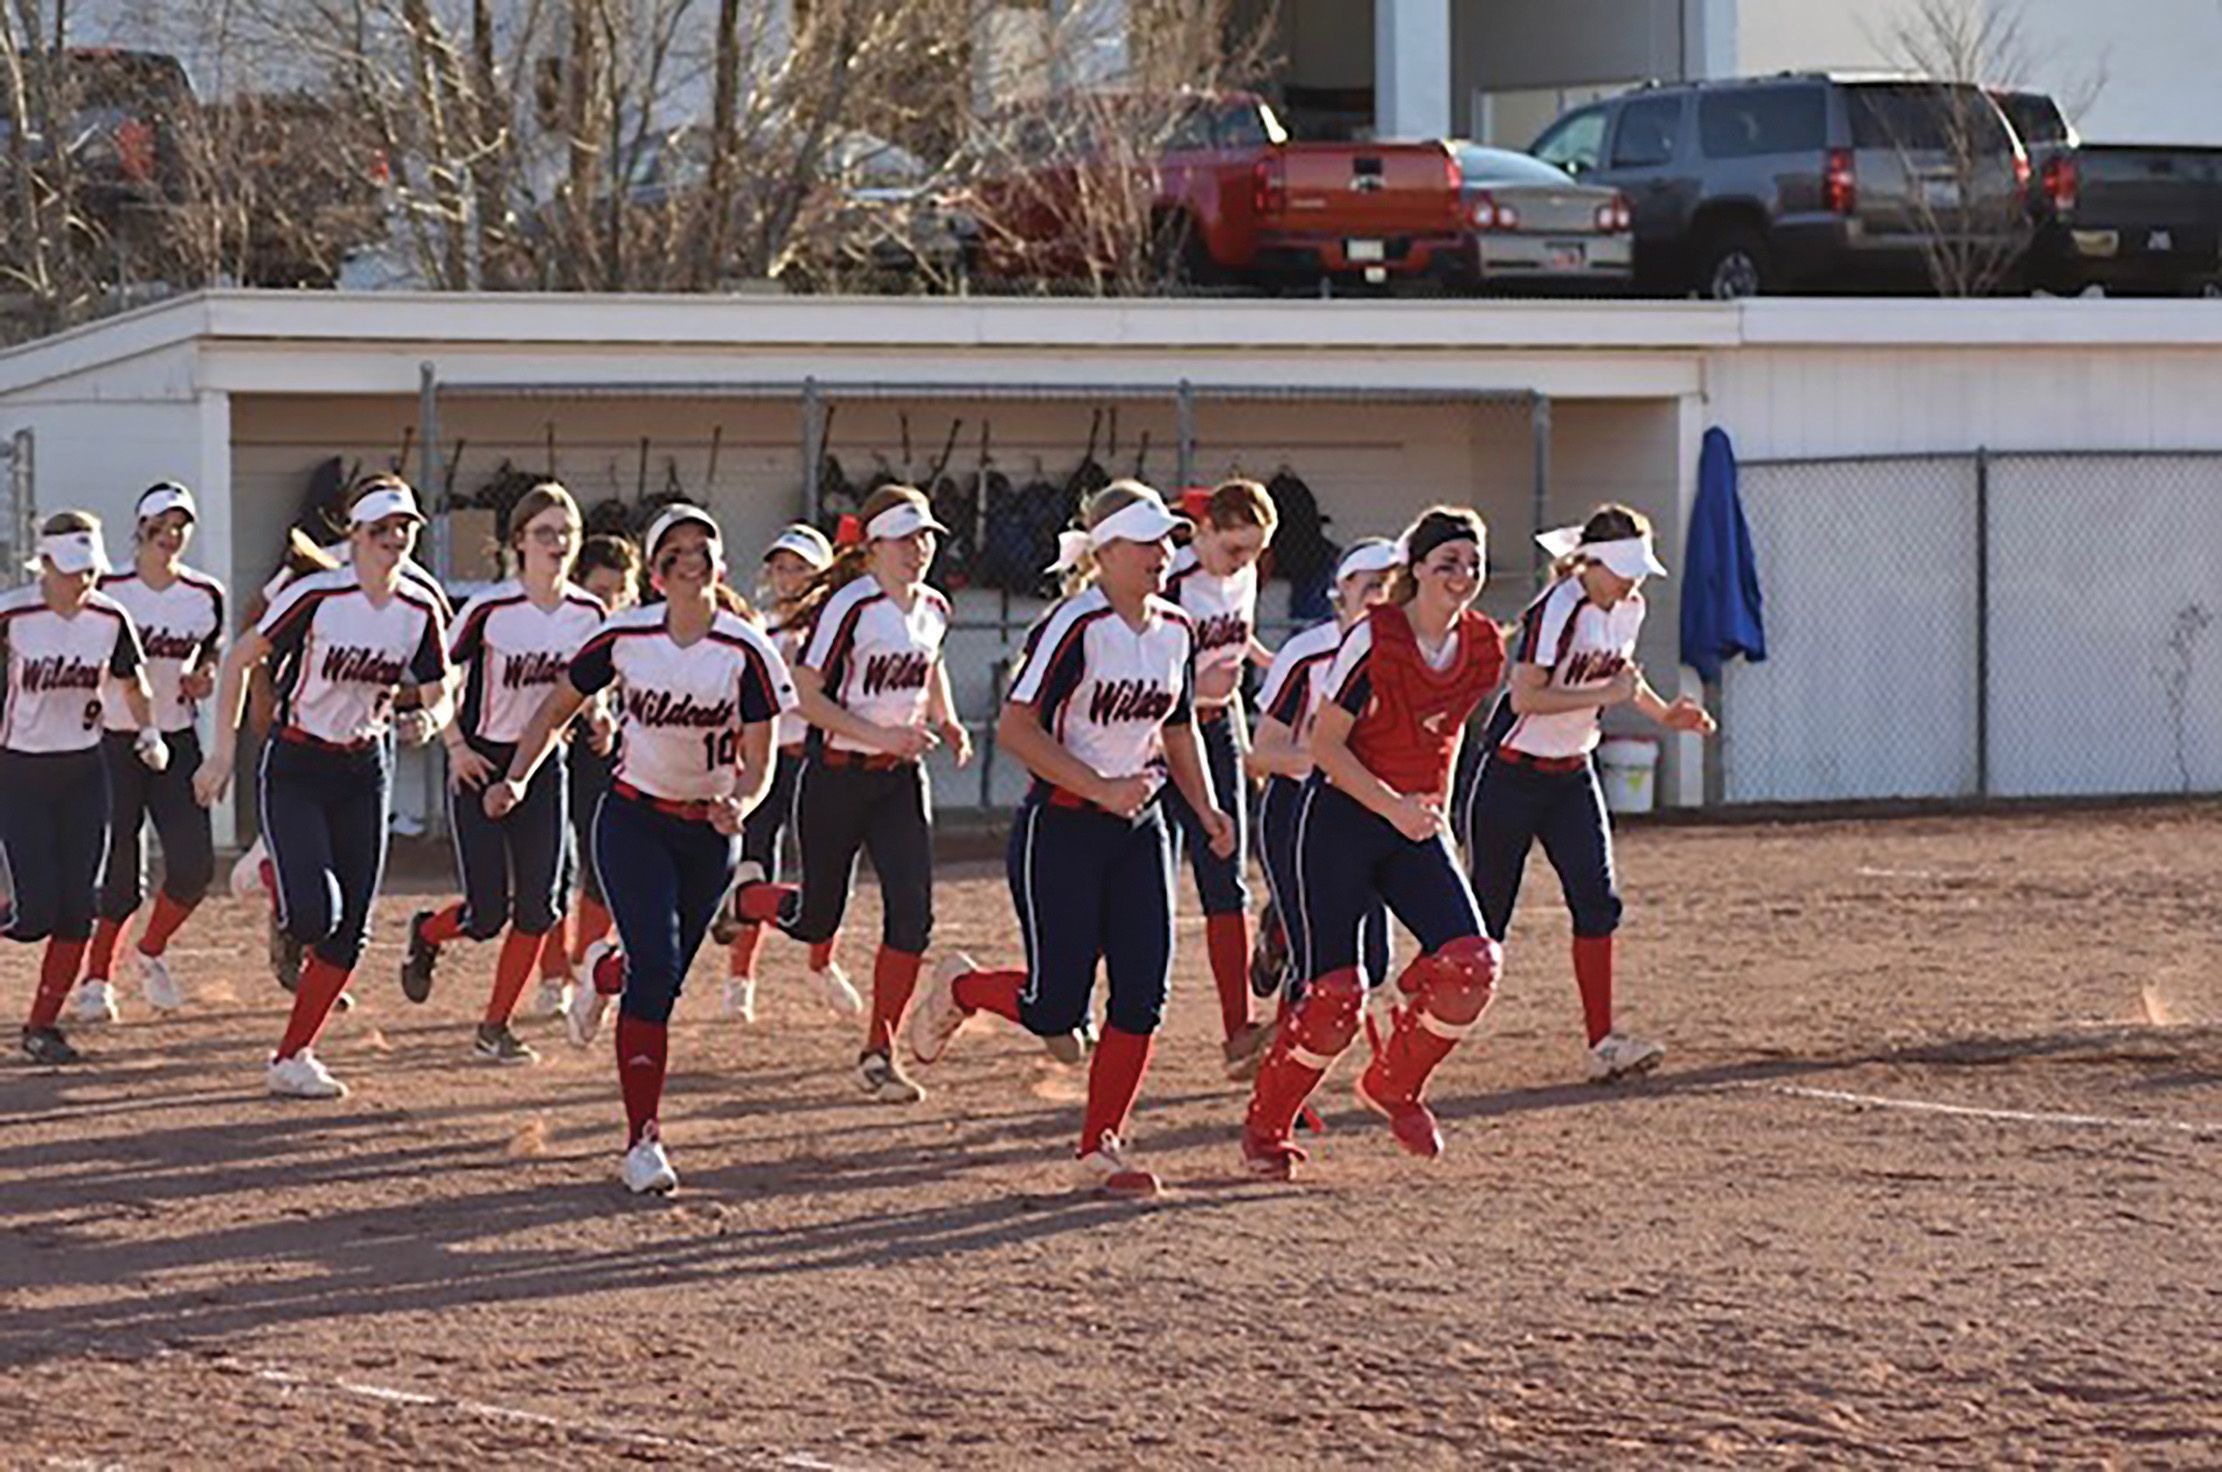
285 955
497 1044
46 1045
1269 958
416 970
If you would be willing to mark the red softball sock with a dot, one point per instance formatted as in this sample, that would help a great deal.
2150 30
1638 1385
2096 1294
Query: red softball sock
1593 974
1227 939
445 926
894 978
100 955
740 960
162 924
1114 1078
990 991
321 984
642 1051
57 974
512 969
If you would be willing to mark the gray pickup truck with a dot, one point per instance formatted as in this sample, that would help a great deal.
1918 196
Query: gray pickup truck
2128 218
1805 181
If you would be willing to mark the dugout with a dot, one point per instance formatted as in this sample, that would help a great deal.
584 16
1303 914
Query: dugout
1530 411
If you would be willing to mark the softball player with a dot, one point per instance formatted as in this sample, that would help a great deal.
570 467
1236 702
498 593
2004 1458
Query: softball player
344 642
179 615
1372 830
1576 655
1214 580
873 681
608 569
699 689
512 643
1282 754
797 556
62 642
1102 712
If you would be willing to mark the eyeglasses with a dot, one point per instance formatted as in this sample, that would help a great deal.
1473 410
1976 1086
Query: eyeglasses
552 536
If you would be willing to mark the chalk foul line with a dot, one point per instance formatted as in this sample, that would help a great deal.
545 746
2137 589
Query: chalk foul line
2005 1116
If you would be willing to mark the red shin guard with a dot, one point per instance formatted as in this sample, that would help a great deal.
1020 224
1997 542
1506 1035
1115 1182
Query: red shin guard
512 969
990 991
642 1051
1114 1079
1593 974
894 978
1448 990
57 974
162 924
320 986
1314 1033
1227 940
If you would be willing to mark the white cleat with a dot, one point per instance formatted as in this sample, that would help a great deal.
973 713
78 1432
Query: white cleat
1618 1055
94 1003
551 1001
882 1079
246 873
836 992
936 1018
1110 1171
740 997
647 1169
588 1002
304 1076
157 985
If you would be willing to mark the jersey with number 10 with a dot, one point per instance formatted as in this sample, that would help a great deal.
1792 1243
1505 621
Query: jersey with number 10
681 708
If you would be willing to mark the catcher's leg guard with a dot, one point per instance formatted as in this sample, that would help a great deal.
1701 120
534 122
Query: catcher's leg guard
1446 991
1317 1031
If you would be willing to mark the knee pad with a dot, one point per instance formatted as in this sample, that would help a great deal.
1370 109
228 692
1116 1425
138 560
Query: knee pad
1325 1023
1451 988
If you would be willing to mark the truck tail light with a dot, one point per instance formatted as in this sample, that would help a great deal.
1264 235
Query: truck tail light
1268 187
1839 189
1492 214
2061 183
1613 217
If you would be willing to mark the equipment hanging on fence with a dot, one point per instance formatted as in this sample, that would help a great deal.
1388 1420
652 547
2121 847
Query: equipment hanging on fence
1302 552
957 509
836 495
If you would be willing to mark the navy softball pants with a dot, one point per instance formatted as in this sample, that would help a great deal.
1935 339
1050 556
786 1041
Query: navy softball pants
54 824
135 795
1349 859
767 823
1221 885
587 780
1090 886
1277 825
1514 805
513 867
324 819
664 877
884 812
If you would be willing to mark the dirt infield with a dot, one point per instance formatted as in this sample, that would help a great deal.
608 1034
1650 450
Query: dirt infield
1931 1177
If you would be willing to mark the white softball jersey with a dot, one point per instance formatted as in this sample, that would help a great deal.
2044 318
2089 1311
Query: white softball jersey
180 625
792 729
878 661
1290 692
344 554
56 667
1583 645
681 708
340 657
1105 689
1224 610
512 652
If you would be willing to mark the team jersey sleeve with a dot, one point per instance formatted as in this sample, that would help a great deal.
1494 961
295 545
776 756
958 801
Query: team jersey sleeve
469 640
767 686
1349 679
429 665
1052 661
833 632
212 643
1543 627
129 656
1282 695
594 667
285 623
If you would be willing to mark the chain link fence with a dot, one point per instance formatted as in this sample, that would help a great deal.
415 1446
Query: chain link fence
1990 624
19 510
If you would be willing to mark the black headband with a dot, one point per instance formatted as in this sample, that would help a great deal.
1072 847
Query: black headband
1435 531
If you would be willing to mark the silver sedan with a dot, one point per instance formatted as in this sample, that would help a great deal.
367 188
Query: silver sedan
1532 226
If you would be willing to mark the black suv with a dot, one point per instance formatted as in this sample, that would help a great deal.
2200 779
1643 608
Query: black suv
1802 181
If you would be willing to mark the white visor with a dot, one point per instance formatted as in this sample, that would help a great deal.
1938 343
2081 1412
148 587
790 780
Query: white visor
1630 557
384 502
72 552
1142 521
675 515
168 496
900 520
1368 557
795 540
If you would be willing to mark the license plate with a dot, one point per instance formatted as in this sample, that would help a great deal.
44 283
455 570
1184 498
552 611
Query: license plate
1941 194
1360 251
1565 258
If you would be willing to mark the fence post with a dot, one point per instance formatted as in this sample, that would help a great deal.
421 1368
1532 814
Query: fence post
1539 430
1982 621
813 448
443 559
1184 418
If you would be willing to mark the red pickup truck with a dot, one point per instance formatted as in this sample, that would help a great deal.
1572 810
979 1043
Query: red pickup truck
1206 189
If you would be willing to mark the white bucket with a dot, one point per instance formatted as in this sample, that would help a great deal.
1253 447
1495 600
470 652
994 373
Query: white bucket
1628 771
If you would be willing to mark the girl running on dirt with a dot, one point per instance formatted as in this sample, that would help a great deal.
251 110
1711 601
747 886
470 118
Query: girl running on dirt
179 614
512 643
1373 830
699 687
62 641
345 641
796 556
1102 712
1576 656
